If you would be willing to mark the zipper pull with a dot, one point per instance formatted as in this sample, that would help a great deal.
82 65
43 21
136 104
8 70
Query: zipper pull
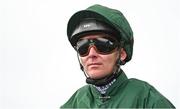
104 98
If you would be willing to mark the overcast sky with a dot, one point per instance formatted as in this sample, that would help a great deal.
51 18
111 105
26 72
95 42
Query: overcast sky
39 68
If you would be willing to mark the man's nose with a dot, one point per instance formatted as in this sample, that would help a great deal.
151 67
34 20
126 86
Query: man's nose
92 51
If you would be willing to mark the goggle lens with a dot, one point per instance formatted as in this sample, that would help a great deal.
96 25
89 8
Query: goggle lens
102 45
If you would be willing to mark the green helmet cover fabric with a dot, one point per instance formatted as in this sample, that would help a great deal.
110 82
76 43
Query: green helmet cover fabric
110 16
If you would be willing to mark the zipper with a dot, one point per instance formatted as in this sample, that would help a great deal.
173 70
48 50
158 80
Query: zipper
104 97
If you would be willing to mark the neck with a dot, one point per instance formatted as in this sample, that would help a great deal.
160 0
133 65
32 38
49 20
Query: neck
103 89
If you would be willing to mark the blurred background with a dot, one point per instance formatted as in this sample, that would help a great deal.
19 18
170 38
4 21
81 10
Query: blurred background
39 68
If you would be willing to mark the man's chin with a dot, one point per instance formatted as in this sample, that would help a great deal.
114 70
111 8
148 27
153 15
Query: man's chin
95 75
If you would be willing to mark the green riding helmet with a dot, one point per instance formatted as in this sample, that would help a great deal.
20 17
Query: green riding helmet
112 20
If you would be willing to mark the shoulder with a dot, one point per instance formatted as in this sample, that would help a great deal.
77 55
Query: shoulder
137 84
143 87
72 102
150 94
84 88
82 91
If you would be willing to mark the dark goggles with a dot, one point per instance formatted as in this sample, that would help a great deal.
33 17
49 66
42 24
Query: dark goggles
102 45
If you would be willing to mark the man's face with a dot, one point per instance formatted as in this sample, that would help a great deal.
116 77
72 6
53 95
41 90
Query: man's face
98 65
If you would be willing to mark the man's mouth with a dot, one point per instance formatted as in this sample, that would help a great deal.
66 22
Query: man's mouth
94 64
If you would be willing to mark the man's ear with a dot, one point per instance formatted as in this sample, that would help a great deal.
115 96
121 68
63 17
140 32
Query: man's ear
123 54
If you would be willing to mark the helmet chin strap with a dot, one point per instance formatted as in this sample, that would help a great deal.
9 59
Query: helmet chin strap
104 80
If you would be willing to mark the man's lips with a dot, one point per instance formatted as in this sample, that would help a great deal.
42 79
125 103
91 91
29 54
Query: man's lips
94 64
